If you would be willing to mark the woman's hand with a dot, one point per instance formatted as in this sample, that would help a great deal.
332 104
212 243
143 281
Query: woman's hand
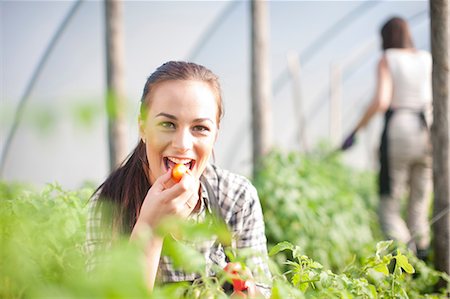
166 198
349 141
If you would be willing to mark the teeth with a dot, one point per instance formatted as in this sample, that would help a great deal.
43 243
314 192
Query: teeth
179 161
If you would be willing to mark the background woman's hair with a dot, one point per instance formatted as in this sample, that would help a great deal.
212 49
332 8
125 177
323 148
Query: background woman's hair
396 34
126 187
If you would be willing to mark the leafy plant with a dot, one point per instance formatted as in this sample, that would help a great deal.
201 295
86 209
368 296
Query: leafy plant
314 202
373 280
41 237
318 203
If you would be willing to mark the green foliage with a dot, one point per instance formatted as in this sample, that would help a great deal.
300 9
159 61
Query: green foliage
321 212
43 256
372 280
319 204
41 237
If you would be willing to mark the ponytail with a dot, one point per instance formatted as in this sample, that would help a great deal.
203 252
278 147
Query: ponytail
125 189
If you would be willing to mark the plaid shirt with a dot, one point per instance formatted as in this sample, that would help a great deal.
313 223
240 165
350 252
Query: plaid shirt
238 204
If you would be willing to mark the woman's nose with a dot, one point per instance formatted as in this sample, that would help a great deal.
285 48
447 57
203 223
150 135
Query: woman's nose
183 140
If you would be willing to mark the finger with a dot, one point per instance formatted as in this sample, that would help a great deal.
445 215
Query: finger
160 182
180 193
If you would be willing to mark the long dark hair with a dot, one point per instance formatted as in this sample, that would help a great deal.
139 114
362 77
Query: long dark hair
126 187
395 34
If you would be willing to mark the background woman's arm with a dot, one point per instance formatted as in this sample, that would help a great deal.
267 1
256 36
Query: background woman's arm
383 94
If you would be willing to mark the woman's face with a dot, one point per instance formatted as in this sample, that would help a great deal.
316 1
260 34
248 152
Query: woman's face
180 126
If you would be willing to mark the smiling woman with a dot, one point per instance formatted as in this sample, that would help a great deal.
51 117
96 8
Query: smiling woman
181 108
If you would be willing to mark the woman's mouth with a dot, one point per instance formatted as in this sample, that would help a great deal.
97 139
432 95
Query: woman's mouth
170 162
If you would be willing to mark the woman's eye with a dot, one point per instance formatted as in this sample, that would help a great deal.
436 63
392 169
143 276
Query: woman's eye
201 129
167 125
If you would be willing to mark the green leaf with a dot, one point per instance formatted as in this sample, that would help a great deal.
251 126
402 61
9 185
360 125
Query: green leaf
277 292
316 265
282 290
281 247
325 279
383 246
304 282
183 256
297 253
382 268
402 261
296 279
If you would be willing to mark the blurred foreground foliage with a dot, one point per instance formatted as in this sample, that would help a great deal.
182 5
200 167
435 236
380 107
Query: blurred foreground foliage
320 224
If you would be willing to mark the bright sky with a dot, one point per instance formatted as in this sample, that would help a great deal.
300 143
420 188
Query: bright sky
157 31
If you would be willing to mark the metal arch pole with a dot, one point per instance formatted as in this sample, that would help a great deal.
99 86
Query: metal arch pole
37 71
211 29
310 52
332 31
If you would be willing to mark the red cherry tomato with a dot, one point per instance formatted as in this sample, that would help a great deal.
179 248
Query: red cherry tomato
234 269
239 285
178 171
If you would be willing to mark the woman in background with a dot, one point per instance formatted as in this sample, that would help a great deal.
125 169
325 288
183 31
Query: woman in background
404 93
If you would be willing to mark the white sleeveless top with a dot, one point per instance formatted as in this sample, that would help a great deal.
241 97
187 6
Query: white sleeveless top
411 74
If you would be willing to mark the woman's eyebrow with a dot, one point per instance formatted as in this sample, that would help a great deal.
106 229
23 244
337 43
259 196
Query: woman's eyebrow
200 119
203 119
166 115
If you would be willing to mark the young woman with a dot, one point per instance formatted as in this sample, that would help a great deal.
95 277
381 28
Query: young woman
404 93
180 113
